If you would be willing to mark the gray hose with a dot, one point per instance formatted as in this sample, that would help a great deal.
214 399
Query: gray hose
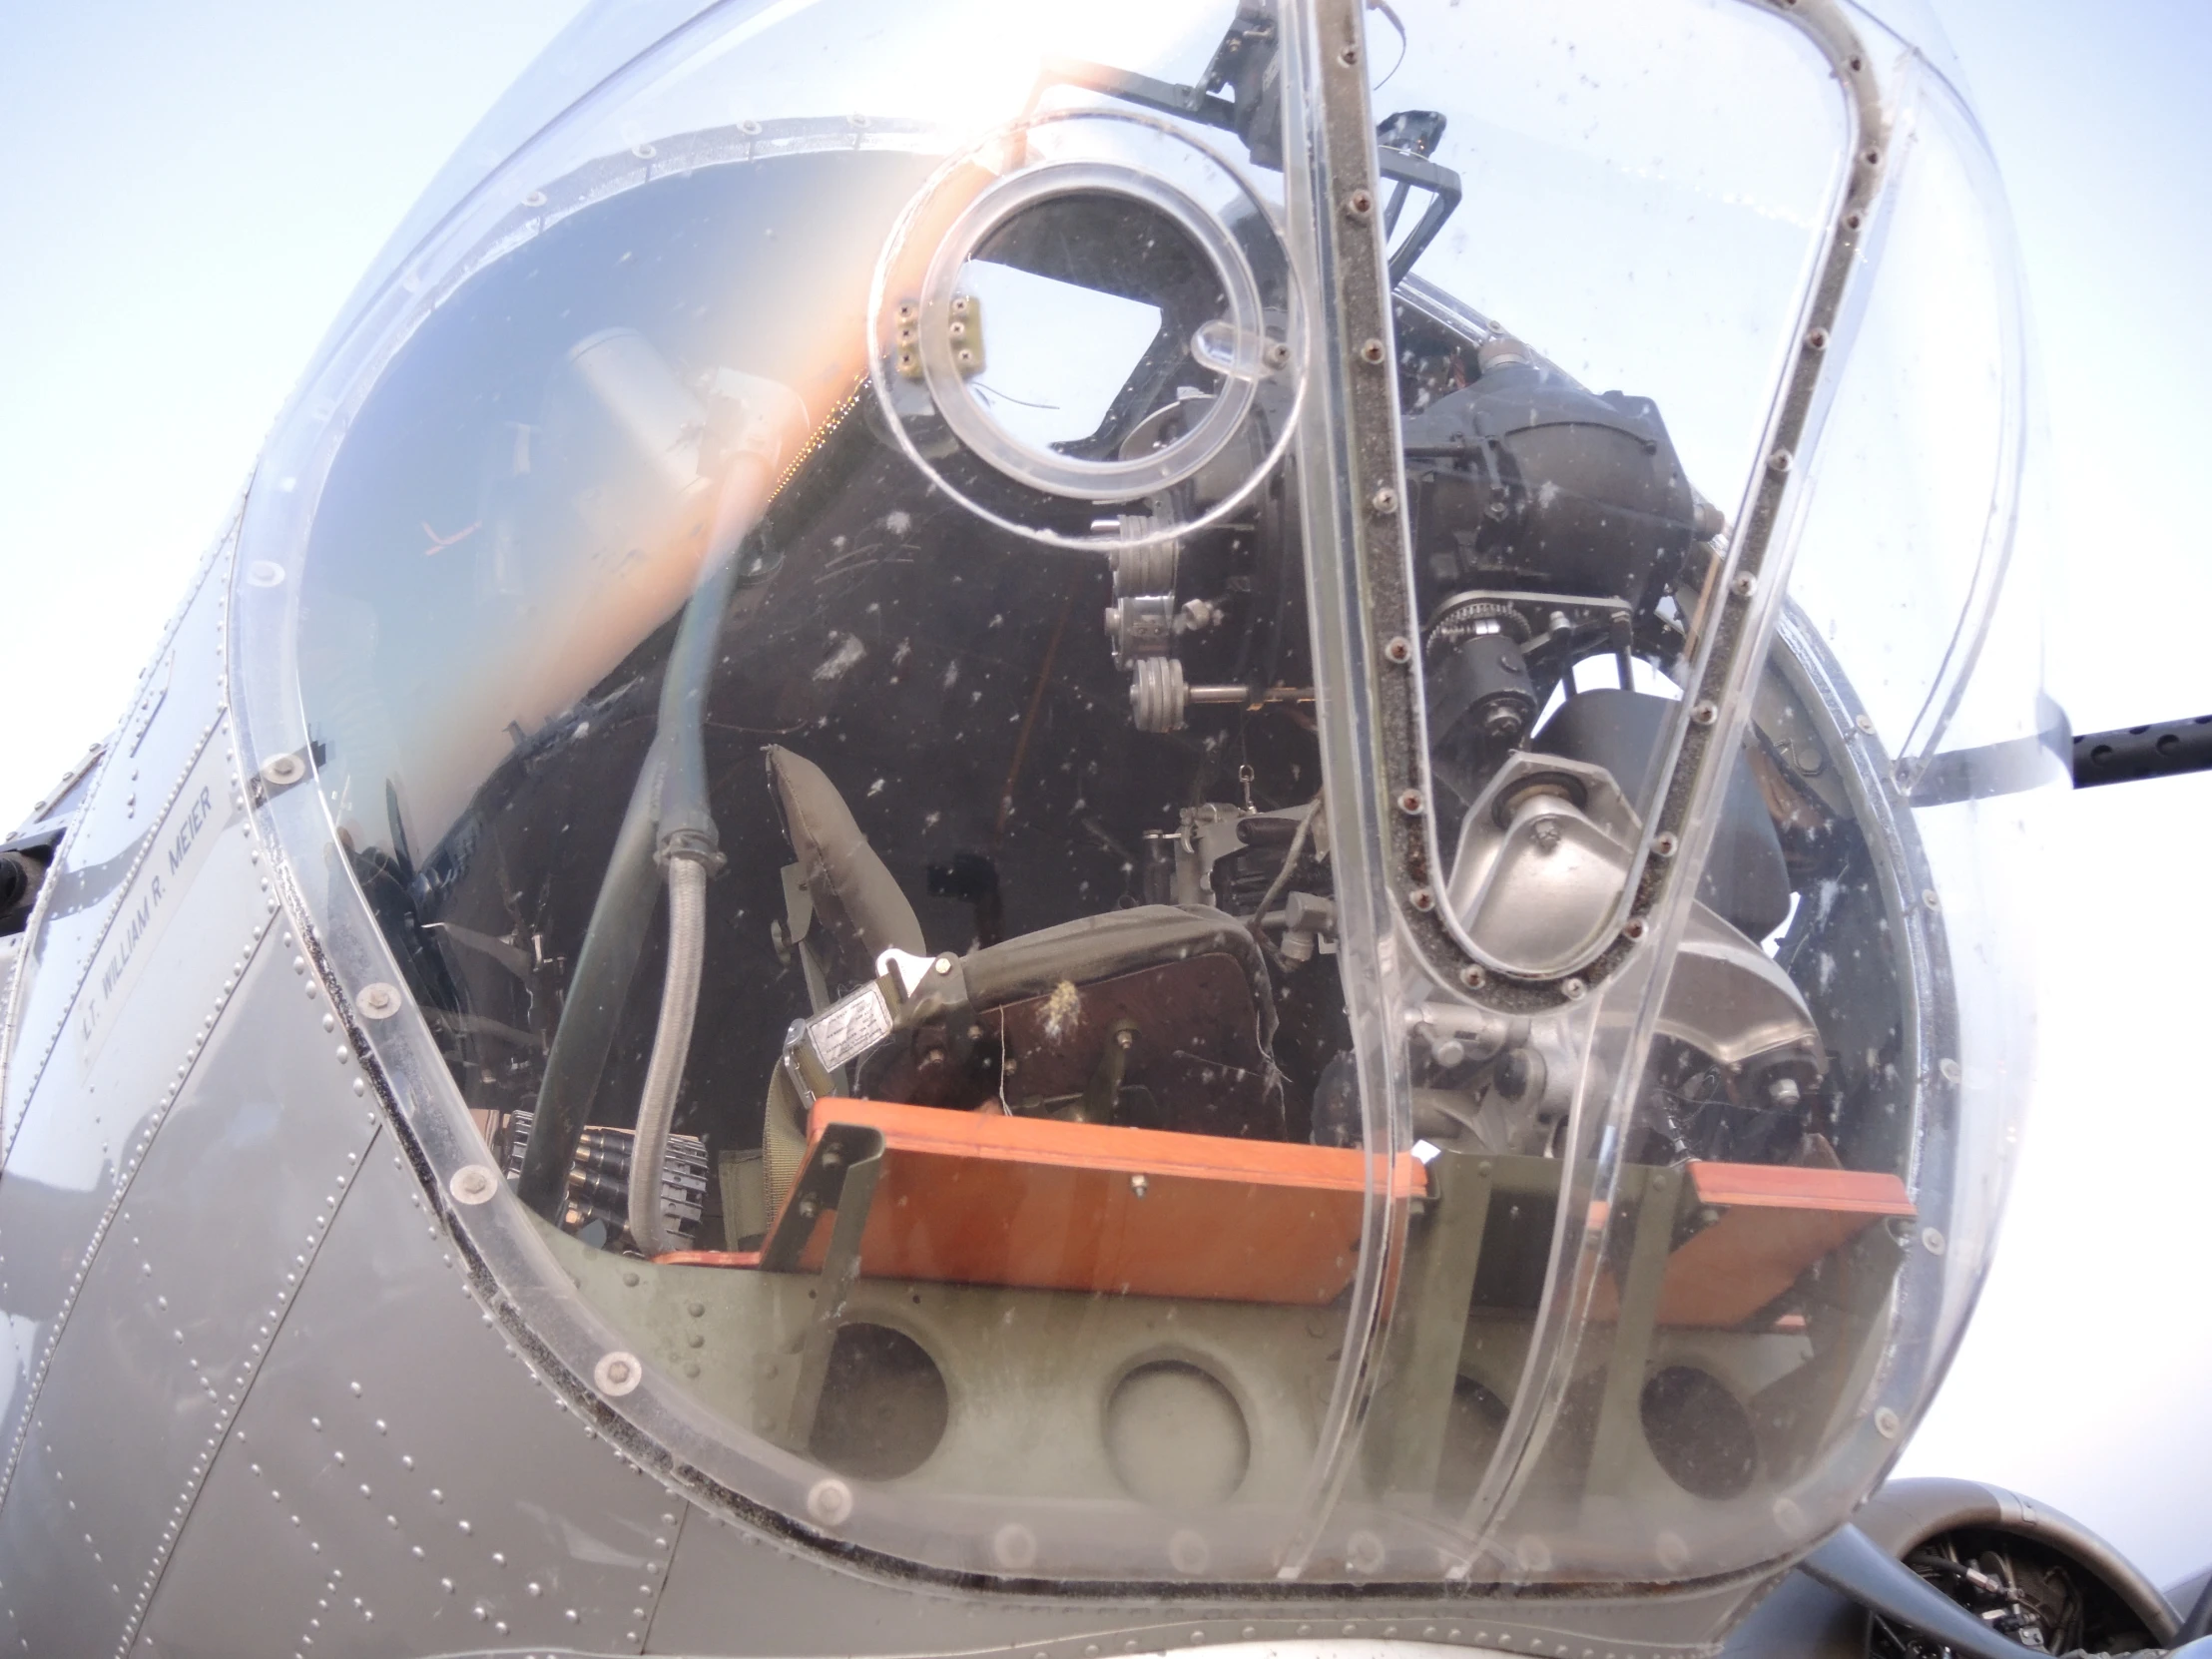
1289 866
669 823
604 968
664 1074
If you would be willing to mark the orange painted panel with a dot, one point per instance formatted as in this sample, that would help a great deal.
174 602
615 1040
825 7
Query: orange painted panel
1787 1187
976 1199
1778 1221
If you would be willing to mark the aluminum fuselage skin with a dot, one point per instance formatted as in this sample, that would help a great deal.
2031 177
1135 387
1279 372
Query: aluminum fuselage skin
260 1399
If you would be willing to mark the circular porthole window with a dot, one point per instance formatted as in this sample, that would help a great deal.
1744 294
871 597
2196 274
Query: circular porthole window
1088 315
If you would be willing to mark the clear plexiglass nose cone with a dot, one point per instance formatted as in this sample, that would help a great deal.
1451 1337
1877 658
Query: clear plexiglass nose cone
1192 793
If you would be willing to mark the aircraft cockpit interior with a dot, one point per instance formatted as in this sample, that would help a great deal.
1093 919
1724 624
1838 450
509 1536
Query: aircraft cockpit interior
1117 861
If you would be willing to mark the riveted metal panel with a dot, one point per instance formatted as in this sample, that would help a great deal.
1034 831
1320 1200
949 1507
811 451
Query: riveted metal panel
211 1235
117 841
731 1591
446 1501
93 1111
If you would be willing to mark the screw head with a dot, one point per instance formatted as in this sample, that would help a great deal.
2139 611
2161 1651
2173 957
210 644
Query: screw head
1473 977
616 1374
1358 204
1409 802
1778 462
1421 899
1397 649
1815 339
473 1184
1887 1424
1573 988
1014 1546
1704 713
1666 843
283 769
379 1001
1383 502
829 1502
1932 1240
1371 353
1744 586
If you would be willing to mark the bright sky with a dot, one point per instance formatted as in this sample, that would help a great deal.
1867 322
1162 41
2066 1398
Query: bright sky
196 189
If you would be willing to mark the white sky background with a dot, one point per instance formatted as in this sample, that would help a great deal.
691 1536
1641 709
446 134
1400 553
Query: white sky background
192 192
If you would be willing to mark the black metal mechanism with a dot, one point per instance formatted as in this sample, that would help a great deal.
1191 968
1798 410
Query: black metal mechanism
1854 1565
2166 750
27 854
22 874
1241 93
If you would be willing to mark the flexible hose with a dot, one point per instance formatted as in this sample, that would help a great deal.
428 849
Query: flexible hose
620 918
1289 866
664 1074
669 821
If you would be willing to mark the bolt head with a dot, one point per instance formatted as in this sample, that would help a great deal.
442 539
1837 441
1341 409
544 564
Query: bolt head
616 1374
473 1184
829 1502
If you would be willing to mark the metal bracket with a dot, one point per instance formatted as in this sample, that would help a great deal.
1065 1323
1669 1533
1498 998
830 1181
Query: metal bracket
851 1155
1433 1322
1621 1416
